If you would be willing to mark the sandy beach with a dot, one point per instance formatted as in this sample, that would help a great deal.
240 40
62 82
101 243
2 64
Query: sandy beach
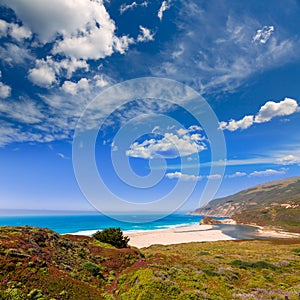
195 233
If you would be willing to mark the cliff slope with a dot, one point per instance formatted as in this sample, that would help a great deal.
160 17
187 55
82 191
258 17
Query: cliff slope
275 203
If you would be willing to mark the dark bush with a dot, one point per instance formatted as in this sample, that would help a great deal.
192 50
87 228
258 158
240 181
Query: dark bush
92 268
113 236
297 251
258 264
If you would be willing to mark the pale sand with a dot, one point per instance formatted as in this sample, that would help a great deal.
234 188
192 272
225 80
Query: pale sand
195 233
277 234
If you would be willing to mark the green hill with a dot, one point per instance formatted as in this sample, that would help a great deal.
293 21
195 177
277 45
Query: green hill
275 203
39 264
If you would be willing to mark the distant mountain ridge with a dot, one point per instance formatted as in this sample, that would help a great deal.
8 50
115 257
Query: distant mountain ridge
275 203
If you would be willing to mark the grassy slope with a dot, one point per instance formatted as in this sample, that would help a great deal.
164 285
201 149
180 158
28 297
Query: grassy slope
278 217
40 264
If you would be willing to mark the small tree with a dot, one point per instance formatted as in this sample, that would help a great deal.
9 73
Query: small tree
113 236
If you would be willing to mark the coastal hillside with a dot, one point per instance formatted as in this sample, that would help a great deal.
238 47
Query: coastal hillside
276 203
40 264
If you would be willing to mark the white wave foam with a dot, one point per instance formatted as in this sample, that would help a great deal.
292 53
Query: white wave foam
84 232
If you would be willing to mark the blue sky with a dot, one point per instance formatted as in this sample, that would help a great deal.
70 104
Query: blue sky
61 62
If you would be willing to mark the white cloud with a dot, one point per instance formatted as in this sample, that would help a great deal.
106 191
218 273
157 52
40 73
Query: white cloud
79 28
19 32
183 177
193 128
237 174
63 156
12 54
14 30
43 76
288 160
179 51
190 177
272 109
133 5
214 176
122 44
67 67
100 81
24 111
45 72
145 35
5 90
233 125
268 172
156 129
221 56
3 28
169 146
266 113
73 88
166 4
264 34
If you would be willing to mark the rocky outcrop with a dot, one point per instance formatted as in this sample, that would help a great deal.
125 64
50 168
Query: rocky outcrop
209 221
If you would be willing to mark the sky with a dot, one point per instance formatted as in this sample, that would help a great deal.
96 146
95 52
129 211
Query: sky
145 105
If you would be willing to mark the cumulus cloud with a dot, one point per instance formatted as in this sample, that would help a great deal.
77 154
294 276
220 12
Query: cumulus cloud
171 145
266 113
264 34
12 54
272 109
100 81
5 90
19 32
166 4
233 125
125 7
45 71
288 160
3 28
268 172
145 35
73 88
78 28
15 31
122 44
43 76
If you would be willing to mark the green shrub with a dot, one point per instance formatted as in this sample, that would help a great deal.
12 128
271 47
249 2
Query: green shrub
113 236
258 264
210 272
92 268
297 251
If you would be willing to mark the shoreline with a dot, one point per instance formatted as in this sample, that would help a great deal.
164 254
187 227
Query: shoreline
198 233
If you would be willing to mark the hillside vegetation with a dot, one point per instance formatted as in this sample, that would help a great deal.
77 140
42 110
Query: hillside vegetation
275 203
39 264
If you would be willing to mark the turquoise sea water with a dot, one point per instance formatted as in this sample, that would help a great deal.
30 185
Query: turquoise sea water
92 222
88 224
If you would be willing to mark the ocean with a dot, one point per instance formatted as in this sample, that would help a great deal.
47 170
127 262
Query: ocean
91 223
